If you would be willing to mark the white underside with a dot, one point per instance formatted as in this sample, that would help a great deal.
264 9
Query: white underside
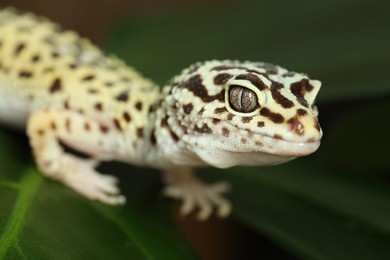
274 151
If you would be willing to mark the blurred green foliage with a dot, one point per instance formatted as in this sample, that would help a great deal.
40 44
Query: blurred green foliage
334 204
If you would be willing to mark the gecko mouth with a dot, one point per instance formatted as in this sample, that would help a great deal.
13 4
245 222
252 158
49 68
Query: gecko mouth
279 146
291 148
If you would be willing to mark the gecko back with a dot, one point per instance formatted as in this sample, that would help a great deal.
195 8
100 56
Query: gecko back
42 66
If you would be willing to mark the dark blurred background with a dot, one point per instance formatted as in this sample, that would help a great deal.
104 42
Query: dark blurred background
90 18
345 44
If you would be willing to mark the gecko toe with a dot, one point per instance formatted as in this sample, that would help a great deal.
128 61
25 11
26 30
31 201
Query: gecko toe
195 194
205 208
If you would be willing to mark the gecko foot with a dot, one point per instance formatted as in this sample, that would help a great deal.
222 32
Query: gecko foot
195 193
81 176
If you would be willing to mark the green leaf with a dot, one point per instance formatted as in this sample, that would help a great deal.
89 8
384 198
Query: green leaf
43 219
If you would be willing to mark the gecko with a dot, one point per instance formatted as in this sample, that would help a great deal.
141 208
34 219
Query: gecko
63 91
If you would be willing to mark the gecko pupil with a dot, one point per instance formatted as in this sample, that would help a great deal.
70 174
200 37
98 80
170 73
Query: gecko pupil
242 99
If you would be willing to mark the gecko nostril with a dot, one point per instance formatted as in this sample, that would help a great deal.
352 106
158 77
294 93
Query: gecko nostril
295 125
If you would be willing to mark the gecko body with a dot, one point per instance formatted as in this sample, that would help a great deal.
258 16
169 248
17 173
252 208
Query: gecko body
62 89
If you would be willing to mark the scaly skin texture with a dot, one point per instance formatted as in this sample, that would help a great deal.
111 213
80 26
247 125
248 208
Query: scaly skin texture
62 89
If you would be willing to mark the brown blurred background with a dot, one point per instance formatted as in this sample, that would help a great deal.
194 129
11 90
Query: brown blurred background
91 17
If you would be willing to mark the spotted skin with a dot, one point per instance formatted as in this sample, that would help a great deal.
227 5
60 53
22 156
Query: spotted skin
64 90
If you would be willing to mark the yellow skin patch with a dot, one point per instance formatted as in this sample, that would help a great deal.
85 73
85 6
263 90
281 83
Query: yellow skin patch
64 90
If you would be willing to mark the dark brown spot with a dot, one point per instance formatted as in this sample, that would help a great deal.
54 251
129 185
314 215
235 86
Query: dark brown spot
174 136
55 55
270 68
225 132
56 85
301 112
230 117
103 128
35 58
279 98
109 84
219 110
188 108
277 85
204 129
126 116
123 97
117 124
19 48
255 80
288 74
66 104
183 128
274 117
73 66
152 108
276 136
81 111
201 111
260 124
140 132
99 106
87 126
164 121
246 120
216 121
48 69
88 78
125 79
53 125
221 79
25 74
243 140
299 90
68 124
138 105
41 132
93 91
153 139
258 143
194 84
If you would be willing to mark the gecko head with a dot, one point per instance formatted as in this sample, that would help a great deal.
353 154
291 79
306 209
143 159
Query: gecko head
245 113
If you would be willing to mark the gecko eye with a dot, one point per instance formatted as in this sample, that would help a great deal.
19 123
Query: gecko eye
242 99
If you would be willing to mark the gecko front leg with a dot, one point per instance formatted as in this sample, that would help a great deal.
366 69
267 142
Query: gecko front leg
183 185
47 128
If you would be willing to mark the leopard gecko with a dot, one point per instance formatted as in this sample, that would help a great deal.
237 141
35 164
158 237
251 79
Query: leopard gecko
62 90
